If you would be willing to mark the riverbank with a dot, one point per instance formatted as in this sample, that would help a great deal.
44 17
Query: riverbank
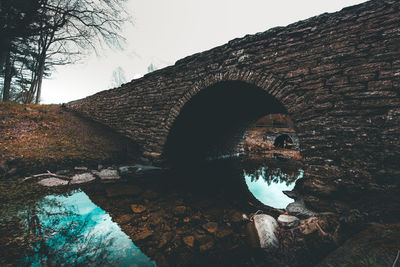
37 138
176 218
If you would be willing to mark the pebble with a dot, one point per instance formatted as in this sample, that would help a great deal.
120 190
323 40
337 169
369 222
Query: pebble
189 240
137 208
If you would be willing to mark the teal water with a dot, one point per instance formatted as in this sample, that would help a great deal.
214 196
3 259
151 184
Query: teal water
71 230
267 185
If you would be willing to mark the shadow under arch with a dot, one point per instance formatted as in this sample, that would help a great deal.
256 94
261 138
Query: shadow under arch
213 122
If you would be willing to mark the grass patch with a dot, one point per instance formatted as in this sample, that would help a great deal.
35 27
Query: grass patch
46 137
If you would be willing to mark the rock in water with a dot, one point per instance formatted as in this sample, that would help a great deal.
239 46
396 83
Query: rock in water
50 182
298 208
265 226
107 174
211 227
126 170
189 240
80 168
137 208
82 178
288 220
137 169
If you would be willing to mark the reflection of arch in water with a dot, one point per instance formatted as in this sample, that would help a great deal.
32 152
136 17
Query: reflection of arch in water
284 141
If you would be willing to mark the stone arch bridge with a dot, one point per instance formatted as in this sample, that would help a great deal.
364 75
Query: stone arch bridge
337 76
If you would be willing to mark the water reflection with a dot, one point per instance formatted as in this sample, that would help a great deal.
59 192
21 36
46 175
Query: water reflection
71 230
267 184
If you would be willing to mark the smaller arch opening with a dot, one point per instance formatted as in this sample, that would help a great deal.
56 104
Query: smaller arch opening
283 141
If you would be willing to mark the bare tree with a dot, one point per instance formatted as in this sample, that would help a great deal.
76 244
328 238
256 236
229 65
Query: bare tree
68 28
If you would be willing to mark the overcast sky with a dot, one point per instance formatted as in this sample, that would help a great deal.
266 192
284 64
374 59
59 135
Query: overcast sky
165 31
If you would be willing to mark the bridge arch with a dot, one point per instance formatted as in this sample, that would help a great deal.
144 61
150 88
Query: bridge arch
267 82
250 85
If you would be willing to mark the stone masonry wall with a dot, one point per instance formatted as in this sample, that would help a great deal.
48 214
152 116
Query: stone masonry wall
338 75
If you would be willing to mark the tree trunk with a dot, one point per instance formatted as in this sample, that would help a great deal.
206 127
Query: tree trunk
39 85
7 78
4 51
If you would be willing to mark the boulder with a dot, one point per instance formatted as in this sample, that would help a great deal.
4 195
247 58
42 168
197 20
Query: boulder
51 182
377 245
288 220
298 208
82 178
108 174
266 226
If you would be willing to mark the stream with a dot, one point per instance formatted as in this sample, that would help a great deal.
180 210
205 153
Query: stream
190 216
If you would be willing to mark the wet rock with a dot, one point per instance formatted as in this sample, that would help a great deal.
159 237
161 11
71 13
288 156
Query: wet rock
266 226
299 209
211 227
189 240
116 190
137 169
291 194
206 246
146 168
82 178
51 182
137 208
377 245
288 220
124 218
179 210
126 170
145 233
80 168
107 174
